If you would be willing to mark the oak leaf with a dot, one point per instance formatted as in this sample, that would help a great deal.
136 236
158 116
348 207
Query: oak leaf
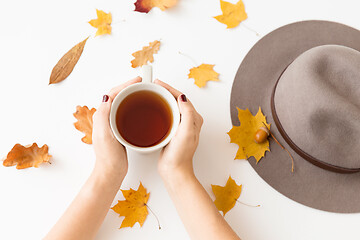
27 156
66 64
233 14
146 5
102 23
226 196
146 54
243 135
134 207
85 122
202 74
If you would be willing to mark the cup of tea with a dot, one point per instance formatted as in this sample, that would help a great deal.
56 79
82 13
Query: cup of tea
144 116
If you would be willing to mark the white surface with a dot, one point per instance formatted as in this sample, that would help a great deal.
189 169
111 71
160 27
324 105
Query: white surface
35 34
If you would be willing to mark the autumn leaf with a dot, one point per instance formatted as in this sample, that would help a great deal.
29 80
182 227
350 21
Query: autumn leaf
202 74
102 23
146 5
146 54
85 122
27 156
226 196
67 63
243 135
233 14
134 207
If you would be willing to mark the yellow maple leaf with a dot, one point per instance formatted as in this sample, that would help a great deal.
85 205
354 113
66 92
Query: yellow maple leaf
146 54
134 207
146 5
27 156
233 14
102 23
226 196
202 74
243 135
85 122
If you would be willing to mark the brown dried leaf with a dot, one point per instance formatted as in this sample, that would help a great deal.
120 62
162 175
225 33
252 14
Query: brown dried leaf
85 122
27 156
67 63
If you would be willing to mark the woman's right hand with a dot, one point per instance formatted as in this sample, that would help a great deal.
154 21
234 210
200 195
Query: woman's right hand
176 158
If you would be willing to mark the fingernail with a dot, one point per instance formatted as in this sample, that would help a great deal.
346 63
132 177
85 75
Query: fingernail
183 98
105 98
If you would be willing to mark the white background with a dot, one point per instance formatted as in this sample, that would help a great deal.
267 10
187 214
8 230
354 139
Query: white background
35 34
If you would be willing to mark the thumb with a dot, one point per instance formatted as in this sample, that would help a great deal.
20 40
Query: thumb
102 115
187 111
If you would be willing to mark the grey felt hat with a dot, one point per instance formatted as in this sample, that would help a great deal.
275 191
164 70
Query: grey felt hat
306 78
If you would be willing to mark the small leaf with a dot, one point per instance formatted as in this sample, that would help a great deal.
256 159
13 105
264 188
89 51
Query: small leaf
233 14
134 207
145 55
146 5
202 74
27 156
67 63
102 23
243 135
85 122
226 196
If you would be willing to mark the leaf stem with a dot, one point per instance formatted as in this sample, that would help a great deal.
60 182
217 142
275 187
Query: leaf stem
250 29
292 159
246 204
185 55
154 215
117 22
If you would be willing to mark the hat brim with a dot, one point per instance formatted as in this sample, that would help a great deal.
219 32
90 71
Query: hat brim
252 87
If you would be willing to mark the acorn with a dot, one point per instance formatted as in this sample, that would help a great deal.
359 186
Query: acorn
261 135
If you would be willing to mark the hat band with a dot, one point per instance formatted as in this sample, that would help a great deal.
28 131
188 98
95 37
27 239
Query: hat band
298 150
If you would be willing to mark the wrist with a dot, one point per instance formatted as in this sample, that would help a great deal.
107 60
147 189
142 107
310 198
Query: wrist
177 176
107 177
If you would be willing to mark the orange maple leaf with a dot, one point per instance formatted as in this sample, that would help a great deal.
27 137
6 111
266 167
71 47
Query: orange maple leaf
27 156
146 5
102 23
226 196
134 207
233 14
203 74
146 54
85 122
243 135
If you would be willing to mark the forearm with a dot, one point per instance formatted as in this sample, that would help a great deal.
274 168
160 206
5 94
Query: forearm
196 209
86 213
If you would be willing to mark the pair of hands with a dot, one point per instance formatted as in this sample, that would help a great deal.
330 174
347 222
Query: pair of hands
176 157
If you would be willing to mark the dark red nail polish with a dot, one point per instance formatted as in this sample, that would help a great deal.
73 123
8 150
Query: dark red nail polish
183 98
105 98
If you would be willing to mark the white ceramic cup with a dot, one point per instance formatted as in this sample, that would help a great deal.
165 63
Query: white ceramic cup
148 85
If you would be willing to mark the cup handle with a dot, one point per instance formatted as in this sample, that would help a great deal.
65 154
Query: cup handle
146 74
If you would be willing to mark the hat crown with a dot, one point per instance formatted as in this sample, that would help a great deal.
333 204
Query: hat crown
317 100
